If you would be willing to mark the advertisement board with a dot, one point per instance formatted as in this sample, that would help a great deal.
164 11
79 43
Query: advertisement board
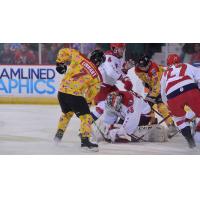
28 82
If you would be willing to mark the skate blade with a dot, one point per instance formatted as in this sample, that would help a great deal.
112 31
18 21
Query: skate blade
86 149
57 141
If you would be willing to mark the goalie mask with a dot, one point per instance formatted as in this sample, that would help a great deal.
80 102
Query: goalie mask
114 101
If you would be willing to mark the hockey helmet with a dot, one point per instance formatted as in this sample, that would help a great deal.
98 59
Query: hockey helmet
173 59
143 61
117 45
97 57
114 101
118 49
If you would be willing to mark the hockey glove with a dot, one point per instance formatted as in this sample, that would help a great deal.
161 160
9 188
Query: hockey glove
61 68
127 84
159 99
128 65
151 100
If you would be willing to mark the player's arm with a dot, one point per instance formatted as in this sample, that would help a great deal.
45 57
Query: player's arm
127 83
152 96
127 66
142 77
64 55
155 86
196 75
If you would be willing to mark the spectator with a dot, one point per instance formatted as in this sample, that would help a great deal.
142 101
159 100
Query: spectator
45 49
76 46
196 55
187 52
25 56
88 48
6 55
52 53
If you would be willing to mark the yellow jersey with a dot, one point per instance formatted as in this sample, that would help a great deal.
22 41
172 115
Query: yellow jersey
82 77
152 78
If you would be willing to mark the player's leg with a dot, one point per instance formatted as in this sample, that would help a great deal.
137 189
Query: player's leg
65 117
162 108
147 115
176 106
193 101
98 110
81 109
62 125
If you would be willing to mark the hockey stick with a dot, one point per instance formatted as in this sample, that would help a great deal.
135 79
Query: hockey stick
100 131
164 118
171 136
137 139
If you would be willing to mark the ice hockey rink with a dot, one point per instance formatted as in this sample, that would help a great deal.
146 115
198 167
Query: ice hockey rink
29 130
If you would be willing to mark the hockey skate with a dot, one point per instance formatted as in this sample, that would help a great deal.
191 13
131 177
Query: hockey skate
191 142
88 145
197 134
59 135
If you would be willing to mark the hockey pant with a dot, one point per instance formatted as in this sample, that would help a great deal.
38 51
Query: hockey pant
75 104
176 105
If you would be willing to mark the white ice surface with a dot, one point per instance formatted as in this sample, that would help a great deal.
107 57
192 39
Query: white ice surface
29 129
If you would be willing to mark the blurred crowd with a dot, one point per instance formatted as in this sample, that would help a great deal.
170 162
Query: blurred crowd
28 53
19 54
191 53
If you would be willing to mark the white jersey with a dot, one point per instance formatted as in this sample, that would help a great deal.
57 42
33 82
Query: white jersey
177 76
130 112
111 69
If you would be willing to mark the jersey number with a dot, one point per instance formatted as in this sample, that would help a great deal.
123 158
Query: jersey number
181 67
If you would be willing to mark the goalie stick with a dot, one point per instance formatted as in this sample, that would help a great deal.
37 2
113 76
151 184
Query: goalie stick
100 131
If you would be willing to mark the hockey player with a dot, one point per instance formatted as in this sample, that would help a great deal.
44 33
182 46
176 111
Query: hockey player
112 70
150 73
128 106
180 87
78 88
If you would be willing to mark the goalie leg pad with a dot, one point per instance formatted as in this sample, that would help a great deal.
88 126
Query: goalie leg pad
157 133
